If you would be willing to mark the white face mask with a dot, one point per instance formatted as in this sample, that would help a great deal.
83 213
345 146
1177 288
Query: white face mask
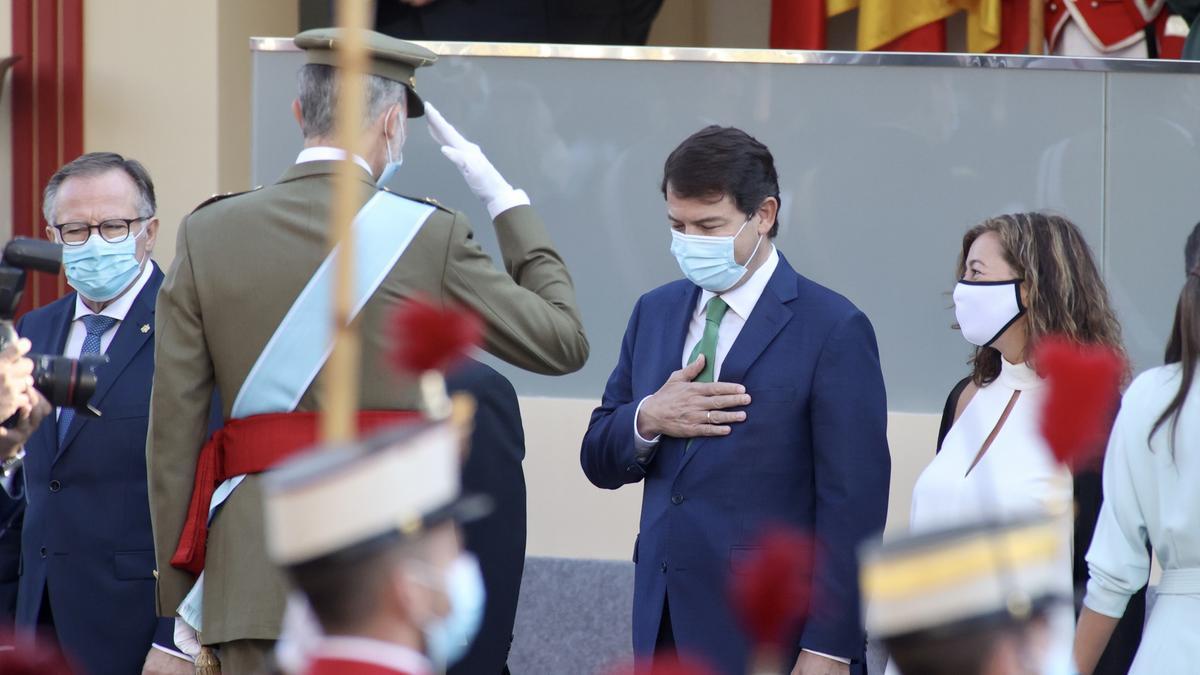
985 309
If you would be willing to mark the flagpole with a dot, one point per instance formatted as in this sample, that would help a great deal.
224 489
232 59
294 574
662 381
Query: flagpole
1037 27
341 377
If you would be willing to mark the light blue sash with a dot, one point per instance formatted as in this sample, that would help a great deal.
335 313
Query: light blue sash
382 231
300 346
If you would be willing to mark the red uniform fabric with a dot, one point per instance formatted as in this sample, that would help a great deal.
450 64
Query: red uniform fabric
247 446
1014 27
332 666
797 24
1109 24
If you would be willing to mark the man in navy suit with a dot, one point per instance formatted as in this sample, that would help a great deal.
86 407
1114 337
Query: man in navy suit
745 395
87 557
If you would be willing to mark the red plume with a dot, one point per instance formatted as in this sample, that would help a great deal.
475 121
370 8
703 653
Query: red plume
680 664
429 338
771 590
1083 391
41 657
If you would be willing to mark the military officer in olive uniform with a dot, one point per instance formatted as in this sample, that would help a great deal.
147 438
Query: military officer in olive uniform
242 311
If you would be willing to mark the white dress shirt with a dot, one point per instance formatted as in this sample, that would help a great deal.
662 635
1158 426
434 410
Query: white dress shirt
325 153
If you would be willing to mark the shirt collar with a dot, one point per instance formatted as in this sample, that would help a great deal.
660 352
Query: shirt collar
324 153
742 299
375 652
118 308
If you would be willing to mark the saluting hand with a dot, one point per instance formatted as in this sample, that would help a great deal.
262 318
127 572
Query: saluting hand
483 178
682 408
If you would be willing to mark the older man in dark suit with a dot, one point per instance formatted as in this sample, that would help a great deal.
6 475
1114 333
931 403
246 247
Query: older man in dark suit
87 555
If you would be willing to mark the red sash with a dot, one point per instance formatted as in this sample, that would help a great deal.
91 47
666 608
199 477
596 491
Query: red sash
252 445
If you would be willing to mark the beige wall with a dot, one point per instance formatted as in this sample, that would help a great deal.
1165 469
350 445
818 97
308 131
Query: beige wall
570 517
174 93
6 126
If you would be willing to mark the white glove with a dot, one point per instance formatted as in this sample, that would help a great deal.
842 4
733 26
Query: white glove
186 638
483 178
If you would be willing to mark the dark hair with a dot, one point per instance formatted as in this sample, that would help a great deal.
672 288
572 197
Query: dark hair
1184 345
93 164
345 588
718 161
1067 295
965 651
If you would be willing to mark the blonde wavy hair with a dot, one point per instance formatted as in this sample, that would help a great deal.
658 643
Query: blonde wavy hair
1067 295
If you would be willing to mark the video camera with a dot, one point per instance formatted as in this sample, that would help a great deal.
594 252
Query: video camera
65 382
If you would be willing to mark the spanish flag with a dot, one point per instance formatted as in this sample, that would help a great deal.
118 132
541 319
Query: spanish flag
986 20
881 22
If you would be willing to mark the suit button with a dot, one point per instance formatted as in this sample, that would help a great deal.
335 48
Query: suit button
676 499
43 551
662 568
55 486
1095 4
1053 7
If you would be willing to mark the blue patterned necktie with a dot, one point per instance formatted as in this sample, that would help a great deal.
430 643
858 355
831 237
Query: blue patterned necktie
96 325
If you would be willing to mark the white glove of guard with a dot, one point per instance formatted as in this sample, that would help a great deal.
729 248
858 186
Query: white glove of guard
483 178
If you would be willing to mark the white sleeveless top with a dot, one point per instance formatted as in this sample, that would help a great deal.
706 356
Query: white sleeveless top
1016 476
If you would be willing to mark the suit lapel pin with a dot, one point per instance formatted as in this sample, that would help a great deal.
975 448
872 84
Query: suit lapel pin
145 328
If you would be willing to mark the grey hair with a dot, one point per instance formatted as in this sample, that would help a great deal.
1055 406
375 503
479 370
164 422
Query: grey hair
94 164
317 86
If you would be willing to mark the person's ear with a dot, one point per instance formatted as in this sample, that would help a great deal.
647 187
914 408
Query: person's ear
767 212
151 234
51 234
392 121
297 112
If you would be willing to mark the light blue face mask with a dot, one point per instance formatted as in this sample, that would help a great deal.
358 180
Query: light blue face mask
100 270
448 638
393 165
710 262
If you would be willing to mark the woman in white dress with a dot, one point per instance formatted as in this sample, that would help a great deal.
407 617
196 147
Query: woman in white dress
1152 493
1021 277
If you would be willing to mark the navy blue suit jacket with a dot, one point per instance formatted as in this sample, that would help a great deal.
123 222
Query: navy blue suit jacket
493 468
811 454
86 535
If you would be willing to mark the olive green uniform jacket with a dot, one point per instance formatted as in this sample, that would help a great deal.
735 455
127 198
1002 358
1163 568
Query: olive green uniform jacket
240 263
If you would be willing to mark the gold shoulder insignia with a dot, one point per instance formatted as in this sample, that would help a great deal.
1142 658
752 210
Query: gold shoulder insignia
226 195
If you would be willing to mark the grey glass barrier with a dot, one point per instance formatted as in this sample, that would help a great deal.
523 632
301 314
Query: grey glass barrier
882 165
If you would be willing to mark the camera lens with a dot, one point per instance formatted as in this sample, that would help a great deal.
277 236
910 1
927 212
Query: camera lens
65 382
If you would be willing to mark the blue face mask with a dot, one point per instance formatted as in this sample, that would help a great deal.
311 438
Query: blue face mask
100 270
448 638
709 262
393 165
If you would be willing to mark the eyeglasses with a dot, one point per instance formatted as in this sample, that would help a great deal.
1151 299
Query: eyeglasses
113 230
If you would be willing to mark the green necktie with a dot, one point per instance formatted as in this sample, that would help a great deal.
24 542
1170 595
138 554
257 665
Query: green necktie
708 341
